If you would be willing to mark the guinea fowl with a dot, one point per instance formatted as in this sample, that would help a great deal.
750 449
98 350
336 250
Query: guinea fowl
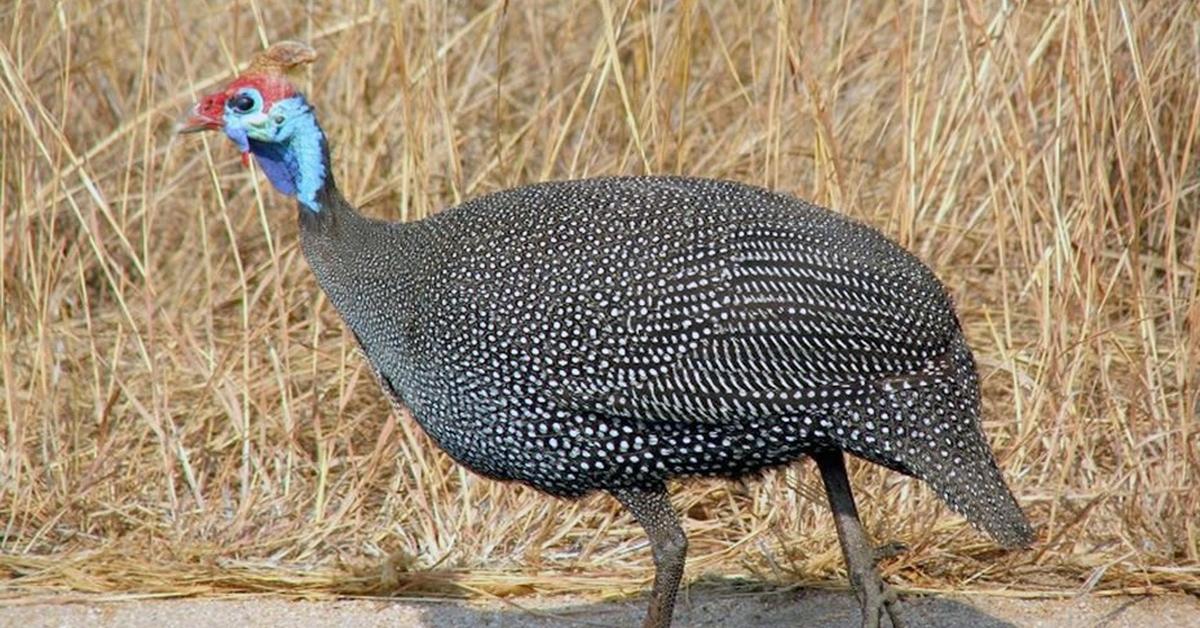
612 334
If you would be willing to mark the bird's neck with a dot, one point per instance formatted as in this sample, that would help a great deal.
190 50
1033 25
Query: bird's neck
352 255
299 165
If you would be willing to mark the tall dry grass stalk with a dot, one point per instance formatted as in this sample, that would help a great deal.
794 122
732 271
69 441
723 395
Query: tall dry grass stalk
183 412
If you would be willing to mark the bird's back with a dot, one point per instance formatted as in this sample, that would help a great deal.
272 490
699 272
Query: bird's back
614 294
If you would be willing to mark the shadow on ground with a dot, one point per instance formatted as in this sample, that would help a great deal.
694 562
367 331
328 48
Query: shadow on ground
715 606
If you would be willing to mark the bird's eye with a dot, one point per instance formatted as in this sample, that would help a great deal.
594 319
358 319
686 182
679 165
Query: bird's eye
241 103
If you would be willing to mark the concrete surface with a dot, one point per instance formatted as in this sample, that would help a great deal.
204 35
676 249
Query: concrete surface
699 608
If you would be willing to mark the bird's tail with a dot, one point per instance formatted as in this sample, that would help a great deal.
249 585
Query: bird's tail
932 433
965 475
976 490
972 483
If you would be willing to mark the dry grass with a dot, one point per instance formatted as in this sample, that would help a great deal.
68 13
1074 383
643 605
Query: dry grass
184 414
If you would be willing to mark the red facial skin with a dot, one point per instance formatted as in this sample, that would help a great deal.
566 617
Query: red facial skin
272 87
208 114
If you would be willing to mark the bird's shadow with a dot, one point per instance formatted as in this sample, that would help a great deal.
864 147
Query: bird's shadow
708 606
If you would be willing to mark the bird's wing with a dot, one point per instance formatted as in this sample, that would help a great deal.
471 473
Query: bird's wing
768 321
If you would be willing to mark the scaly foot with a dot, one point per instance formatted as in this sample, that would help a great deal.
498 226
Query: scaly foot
875 597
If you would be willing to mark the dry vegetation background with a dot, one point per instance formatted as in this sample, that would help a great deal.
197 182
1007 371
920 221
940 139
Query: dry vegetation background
184 414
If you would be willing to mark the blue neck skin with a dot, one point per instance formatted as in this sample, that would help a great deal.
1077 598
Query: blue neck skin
294 156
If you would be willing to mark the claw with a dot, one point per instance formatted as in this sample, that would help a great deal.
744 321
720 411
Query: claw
889 550
875 598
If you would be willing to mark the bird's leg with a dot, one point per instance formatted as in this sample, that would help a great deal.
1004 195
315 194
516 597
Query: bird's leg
653 510
873 594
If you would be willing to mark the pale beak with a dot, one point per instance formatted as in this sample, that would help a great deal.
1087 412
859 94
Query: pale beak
197 120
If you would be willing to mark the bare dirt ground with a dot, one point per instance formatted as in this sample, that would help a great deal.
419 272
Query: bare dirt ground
699 608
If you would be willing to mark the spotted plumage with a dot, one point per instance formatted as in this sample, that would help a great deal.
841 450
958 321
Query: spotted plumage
614 333
585 335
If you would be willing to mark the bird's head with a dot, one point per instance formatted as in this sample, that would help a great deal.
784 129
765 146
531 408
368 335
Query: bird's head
264 115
